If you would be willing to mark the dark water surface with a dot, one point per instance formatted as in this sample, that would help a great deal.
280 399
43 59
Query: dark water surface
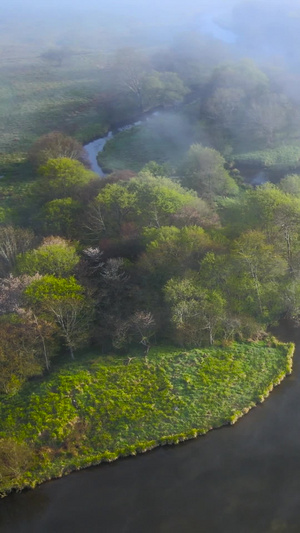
240 479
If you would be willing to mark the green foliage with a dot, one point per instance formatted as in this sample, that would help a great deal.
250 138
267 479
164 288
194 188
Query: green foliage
203 170
285 157
290 184
52 288
15 460
20 353
171 251
197 313
104 408
60 216
143 201
61 178
163 139
55 256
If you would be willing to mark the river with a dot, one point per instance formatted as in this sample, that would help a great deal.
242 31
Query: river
239 479
93 148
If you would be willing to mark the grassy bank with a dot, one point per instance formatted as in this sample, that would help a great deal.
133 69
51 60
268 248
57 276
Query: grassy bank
102 407
163 138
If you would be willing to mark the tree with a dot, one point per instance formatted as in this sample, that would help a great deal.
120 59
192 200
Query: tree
163 88
114 204
12 305
196 213
15 459
60 217
273 210
203 170
54 256
53 146
129 68
61 178
258 270
139 327
195 310
171 252
11 293
266 117
62 300
158 198
13 241
290 184
21 352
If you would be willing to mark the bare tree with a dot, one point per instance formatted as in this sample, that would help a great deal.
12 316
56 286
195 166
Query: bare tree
13 241
54 145
73 317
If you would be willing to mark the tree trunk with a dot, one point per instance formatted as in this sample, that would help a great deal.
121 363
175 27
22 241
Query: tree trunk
71 352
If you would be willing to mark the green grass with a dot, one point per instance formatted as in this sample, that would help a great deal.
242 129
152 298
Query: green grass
163 139
100 408
37 98
286 157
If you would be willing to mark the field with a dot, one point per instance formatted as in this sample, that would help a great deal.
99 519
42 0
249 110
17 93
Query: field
102 407
163 138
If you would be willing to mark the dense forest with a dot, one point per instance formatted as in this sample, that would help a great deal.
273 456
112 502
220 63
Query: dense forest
183 255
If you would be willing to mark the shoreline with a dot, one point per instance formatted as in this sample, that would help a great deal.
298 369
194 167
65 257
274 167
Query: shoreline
79 463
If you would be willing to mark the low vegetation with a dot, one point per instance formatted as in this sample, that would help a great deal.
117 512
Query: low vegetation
100 408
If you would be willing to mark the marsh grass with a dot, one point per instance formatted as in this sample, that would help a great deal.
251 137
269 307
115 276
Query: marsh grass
156 140
100 408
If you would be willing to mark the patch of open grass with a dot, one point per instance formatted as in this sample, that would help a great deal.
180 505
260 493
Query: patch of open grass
100 408
37 98
164 139
286 157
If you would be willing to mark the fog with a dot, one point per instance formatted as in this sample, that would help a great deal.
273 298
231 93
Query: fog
73 42
261 27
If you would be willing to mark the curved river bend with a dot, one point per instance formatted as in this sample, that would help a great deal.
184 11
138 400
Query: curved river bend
239 479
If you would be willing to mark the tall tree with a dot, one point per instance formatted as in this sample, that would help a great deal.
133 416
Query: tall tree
63 301
54 145
195 311
13 241
203 170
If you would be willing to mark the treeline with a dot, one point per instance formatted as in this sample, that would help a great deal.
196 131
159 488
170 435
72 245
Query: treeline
132 259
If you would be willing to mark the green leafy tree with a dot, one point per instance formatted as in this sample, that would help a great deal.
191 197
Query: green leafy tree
55 256
61 178
60 217
21 352
163 88
142 201
290 184
63 301
15 459
203 170
259 271
158 198
277 213
172 251
195 311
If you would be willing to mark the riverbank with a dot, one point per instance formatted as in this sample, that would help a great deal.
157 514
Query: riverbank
101 408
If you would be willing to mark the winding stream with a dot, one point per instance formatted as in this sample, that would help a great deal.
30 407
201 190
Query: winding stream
240 479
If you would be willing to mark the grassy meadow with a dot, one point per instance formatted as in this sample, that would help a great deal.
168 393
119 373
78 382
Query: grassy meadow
102 407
